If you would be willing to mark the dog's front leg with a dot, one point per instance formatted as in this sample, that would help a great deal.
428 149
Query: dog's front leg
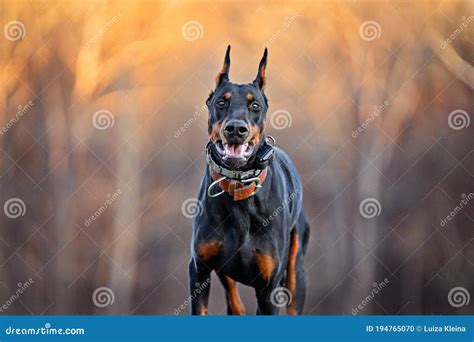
199 286
265 305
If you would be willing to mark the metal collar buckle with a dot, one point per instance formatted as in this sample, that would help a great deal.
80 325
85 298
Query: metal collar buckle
213 184
257 183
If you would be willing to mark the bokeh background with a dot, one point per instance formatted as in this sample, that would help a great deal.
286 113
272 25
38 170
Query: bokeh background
111 96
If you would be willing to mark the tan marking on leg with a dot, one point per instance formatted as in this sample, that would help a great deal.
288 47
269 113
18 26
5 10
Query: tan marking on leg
208 250
233 296
203 311
291 272
266 264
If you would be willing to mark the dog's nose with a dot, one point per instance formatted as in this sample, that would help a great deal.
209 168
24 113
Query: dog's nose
236 128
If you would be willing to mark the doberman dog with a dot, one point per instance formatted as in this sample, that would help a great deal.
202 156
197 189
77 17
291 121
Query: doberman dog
252 228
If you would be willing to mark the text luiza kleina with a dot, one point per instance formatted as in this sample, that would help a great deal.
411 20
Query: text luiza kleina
445 328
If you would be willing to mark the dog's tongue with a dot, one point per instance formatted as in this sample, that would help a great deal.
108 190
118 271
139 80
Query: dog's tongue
234 150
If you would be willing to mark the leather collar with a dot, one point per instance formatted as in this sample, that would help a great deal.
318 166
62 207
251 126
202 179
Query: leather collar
239 190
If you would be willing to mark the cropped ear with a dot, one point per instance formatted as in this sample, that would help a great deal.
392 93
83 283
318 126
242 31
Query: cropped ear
223 75
260 80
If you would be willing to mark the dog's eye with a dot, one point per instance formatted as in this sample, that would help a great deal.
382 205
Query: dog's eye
220 103
255 106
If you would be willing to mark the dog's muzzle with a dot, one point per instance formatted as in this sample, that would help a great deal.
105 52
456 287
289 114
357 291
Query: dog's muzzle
239 184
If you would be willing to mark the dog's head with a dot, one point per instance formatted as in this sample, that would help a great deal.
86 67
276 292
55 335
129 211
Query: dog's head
237 116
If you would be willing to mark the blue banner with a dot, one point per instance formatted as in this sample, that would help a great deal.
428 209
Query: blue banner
247 329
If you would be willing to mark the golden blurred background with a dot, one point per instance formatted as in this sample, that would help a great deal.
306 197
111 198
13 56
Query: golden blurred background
104 132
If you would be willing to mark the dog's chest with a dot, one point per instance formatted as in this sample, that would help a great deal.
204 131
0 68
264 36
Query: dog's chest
245 241
246 256
248 259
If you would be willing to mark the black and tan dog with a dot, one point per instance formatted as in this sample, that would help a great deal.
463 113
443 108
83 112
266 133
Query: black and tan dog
252 228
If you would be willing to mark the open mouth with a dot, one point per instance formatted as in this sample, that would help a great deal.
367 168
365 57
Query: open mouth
234 151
